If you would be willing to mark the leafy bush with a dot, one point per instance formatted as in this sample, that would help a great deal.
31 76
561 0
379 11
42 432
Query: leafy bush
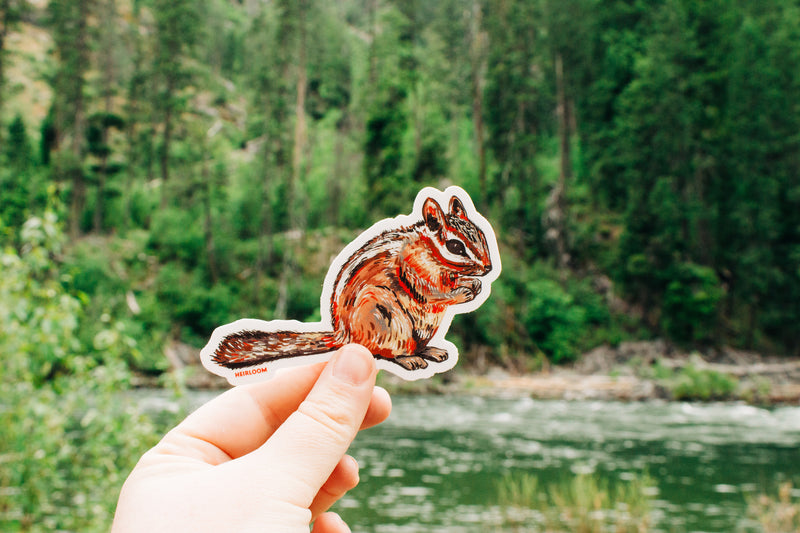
70 435
187 299
90 271
692 383
532 311
67 446
690 303
553 319
177 234
40 320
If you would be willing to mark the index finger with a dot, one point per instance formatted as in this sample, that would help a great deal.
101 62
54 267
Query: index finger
243 418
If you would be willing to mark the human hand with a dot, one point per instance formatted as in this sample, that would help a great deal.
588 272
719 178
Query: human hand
263 457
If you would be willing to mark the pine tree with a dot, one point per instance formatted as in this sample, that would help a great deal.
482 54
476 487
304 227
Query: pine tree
71 35
178 26
11 12
519 103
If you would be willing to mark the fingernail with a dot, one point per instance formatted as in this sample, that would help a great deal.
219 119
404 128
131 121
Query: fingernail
353 365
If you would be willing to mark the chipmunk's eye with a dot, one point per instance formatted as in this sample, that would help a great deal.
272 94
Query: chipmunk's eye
455 246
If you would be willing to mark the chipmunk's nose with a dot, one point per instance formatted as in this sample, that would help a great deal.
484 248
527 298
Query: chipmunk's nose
487 269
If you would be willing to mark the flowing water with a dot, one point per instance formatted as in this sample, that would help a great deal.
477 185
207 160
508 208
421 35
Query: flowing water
435 464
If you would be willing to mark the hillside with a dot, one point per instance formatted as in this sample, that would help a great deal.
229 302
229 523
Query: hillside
207 160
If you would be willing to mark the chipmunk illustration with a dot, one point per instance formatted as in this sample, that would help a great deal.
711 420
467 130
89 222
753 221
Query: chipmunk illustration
395 290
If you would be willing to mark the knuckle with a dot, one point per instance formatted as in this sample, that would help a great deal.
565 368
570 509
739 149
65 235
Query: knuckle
329 418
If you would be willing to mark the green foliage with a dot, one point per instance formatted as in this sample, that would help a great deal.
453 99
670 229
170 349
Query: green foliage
684 199
15 174
69 435
40 319
691 303
185 298
692 383
176 235
534 311
382 151
586 503
64 467
18 150
691 85
552 319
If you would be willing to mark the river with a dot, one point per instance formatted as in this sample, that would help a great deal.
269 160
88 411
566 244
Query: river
434 465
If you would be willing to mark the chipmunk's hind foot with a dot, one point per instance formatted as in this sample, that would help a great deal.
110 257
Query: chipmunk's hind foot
437 355
419 360
409 362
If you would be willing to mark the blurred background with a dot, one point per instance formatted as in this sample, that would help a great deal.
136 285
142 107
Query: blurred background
167 166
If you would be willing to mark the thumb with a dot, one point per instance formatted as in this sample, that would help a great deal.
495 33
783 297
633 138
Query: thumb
302 453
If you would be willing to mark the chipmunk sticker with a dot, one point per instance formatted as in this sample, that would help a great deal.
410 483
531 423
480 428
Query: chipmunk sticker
394 289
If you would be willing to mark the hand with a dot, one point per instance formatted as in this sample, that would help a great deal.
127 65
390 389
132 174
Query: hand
263 457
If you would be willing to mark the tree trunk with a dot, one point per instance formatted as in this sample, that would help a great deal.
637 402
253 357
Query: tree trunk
264 258
130 134
477 60
108 83
300 129
295 215
208 226
557 203
78 134
6 21
372 8
564 121
166 140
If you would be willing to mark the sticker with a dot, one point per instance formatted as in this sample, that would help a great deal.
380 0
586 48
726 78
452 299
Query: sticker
394 289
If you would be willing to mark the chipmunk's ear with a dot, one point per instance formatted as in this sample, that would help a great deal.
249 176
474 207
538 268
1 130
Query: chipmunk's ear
457 208
432 214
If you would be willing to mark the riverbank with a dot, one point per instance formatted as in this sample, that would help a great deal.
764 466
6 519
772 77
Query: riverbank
636 371
632 371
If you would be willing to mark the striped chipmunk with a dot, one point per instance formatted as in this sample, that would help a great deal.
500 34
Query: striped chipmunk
395 290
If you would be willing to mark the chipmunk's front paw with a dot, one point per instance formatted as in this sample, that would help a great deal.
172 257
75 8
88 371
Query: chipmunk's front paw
468 290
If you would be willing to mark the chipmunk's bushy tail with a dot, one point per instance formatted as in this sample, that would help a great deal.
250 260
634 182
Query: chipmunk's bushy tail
250 348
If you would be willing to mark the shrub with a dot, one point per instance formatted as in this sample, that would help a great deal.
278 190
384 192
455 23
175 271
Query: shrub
553 319
177 234
692 383
69 433
188 299
690 304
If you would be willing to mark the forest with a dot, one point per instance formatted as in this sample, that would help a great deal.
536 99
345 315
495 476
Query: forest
167 166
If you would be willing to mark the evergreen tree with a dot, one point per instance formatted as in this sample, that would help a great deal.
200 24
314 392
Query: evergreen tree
15 175
178 25
11 12
387 117
519 104
756 200
69 21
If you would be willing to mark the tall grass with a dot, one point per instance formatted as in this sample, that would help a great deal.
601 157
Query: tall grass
586 503
779 514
